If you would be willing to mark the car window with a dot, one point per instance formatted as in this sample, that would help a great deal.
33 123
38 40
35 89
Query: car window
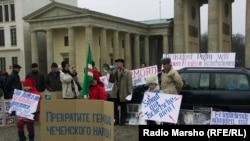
195 80
231 81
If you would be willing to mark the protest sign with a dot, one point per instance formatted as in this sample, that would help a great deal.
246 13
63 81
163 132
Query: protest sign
107 85
229 118
179 61
139 75
24 103
133 113
201 115
161 107
185 117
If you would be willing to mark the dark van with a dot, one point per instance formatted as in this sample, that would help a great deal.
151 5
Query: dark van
223 89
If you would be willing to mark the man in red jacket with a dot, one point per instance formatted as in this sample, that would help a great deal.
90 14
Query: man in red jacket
29 85
97 90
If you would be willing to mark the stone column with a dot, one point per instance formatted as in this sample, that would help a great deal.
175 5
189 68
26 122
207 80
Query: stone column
104 48
72 50
247 48
127 51
146 50
50 49
34 48
213 26
136 51
116 48
165 44
88 36
179 31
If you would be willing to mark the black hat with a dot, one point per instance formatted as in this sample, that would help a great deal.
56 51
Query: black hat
119 60
165 60
34 65
16 66
54 65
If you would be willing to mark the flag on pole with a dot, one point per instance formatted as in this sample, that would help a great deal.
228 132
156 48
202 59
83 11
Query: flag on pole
88 75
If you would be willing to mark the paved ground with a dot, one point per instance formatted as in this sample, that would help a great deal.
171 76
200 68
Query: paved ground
122 133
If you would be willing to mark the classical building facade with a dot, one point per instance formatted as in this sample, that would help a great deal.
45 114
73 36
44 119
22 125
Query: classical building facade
67 30
15 33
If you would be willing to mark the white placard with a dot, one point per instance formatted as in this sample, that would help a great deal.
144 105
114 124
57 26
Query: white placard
179 61
161 107
229 118
24 103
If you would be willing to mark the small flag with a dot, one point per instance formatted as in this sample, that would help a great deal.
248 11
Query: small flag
88 75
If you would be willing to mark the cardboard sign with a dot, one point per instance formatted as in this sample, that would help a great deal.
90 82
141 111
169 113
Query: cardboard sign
179 61
229 118
24 103
78 120
161 107
139 75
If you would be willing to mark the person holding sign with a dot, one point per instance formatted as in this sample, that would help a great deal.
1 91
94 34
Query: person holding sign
152 83
122 87
29 85
171 82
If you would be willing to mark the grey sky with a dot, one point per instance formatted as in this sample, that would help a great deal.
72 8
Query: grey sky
140 10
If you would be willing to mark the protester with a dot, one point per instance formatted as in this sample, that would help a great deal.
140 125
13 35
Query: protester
52 79
37 76
13 82
153 86
143 65
95 69
97 90
29 85
3 79
69 86
122 87
171 81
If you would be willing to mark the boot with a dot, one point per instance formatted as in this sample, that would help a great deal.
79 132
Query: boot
31 137
21 136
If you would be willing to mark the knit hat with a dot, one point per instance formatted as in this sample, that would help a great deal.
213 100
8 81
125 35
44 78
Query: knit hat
34 65
152 78
16 66
96 76
29 82
54 65
165 60
119 60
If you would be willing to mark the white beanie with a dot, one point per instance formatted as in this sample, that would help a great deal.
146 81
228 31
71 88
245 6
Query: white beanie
152 78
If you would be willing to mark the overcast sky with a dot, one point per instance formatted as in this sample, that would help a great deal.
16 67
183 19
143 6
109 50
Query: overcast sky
140 10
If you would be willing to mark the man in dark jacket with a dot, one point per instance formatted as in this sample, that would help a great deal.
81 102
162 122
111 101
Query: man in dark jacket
37 76
52 80
13 82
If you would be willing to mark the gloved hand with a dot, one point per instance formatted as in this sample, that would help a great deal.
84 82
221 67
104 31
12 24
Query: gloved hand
36 113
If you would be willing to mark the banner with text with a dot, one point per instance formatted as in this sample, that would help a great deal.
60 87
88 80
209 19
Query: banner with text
179 61
107 85
161 107
24 103
229 118
139 75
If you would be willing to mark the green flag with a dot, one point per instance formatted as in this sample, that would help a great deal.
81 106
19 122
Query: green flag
88 75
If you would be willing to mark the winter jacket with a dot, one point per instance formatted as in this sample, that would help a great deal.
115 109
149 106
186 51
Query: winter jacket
97 92
53 82
171 82
124 86
39 79
13 82
69 86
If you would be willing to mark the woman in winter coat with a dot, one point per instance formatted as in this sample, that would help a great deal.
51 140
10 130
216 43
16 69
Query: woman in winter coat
97 90
29 85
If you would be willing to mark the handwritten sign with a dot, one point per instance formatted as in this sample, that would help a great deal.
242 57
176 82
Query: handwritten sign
161 107
139 75
24 103
229 118
107 85
179 61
